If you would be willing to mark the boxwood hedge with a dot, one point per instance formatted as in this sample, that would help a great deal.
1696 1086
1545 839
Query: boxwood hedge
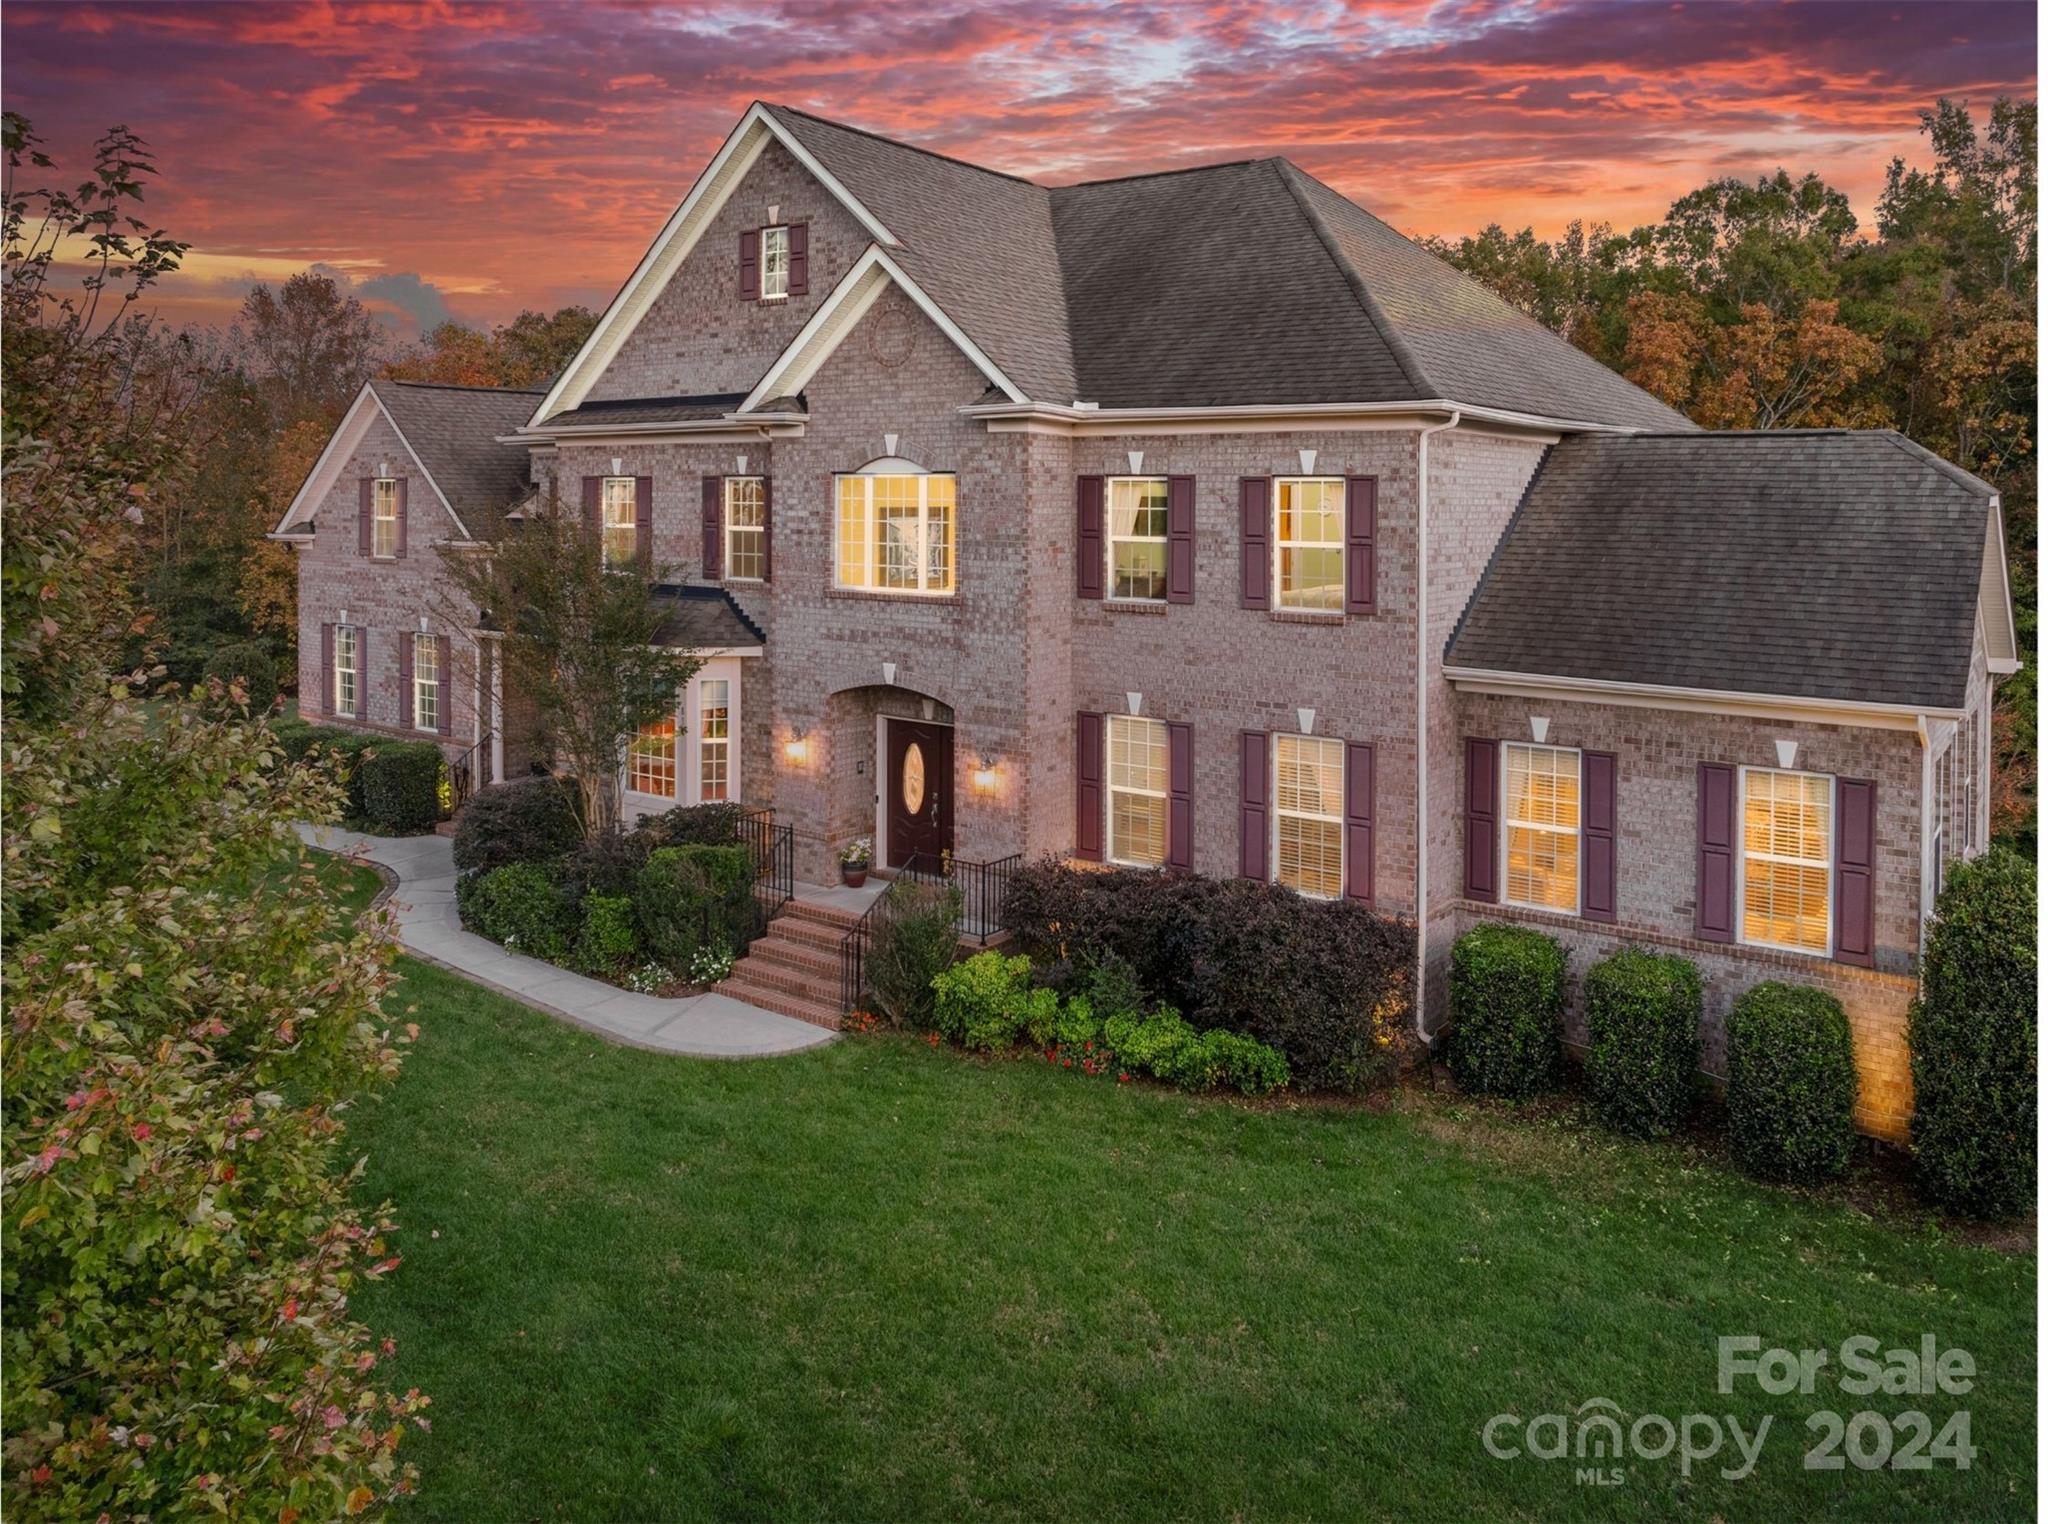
1507 1010
1791 1084
1643 1036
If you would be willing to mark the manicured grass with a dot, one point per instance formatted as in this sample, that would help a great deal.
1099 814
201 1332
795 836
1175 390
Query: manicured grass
879 1281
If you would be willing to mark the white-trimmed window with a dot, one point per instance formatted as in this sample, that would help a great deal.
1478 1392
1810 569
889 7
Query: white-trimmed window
1540 810
621 520
426 682
1308 540
1787 859
746 529
651 760
384 516
1137 791
1308 814
1136 523
774 264
895 533
347 673
714 739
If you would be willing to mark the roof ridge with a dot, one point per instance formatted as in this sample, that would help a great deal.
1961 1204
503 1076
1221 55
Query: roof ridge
463 386
1920 452
1161 174
930 153
1397 344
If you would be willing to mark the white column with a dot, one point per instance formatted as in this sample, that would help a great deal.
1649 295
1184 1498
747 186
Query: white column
497 712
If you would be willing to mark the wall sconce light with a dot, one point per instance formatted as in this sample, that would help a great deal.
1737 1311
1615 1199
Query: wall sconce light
798 747
985 775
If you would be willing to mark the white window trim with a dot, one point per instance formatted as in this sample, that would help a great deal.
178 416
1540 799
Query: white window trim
1273 842
872 547
1341 545
689 733
379 520
1827 949
354 669
1110 789
1110 540
438 683
783 294
1507 830
605 526
725 561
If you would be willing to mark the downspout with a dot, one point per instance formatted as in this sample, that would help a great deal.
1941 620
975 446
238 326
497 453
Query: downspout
1928 868
1422 711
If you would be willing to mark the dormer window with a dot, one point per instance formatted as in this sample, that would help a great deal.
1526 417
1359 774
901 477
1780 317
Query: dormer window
774 264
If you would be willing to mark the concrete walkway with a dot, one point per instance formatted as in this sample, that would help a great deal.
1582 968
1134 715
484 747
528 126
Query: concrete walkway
708 1025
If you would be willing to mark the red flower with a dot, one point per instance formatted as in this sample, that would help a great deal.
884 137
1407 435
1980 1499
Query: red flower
1123 1079
291 1308
142 1130
41 1474
1066 1063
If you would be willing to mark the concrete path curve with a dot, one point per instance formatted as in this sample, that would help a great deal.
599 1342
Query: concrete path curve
708 1025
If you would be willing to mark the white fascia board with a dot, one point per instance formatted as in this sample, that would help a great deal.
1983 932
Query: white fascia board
730 429
1994 547
837 316
678 236
355 423
1317 413
1586 690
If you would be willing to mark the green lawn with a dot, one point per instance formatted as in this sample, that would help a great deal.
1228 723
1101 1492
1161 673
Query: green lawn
879 1281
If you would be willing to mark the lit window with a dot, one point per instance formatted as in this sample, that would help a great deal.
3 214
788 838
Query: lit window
1137 537
1308 809
1542 814
746 529
426 682
345 671
1137 791
896 533
714 740
384 517
774 263
621 521
1309 534
1787 842
651 765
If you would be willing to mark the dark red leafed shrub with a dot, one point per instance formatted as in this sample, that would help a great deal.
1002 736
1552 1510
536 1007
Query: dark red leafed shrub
531 821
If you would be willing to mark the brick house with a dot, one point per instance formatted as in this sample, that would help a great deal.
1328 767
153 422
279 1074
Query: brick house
1199 520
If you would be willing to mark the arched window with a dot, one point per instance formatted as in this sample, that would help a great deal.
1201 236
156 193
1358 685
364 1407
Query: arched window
894 529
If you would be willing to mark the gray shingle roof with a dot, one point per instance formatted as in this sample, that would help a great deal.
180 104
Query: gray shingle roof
704 619
1824 564
453 430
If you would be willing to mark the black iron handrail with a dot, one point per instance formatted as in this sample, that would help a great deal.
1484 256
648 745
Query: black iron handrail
983 886
774 852
462 775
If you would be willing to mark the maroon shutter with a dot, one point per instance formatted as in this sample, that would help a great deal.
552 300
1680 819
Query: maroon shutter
1255 531
714 528
1180 795
643 523
327 681
1361 562
1088 536
1482 819
1855 872
1252 794
1180 539
1714 908
750 266
444 667
799 258
767 530
593 509
1088 787
362 673
405 670
366 517
401 495
1597 822
1358 846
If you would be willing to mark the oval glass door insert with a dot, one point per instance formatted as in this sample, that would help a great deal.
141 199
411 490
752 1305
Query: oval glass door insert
913 778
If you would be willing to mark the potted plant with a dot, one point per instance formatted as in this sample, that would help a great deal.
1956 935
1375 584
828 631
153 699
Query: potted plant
854 860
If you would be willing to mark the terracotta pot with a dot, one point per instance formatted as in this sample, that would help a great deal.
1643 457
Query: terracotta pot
851 876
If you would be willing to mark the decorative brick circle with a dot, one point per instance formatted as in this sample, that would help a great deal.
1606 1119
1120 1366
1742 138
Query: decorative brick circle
892 337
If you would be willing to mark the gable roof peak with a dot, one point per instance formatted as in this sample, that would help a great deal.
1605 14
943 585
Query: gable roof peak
778 109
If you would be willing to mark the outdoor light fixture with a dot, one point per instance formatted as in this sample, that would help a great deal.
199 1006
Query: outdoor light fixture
985 775
798 747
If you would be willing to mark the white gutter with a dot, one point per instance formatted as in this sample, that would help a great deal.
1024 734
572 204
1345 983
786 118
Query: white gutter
1594 689
1088 412
1422 714
758 423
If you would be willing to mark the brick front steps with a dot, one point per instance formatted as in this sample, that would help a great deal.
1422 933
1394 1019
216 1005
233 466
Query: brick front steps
793 967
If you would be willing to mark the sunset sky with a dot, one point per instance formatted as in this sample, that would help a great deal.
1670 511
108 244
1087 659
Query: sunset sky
473 159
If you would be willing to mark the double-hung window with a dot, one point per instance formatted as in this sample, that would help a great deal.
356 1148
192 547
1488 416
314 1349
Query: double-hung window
746 529
1308 534
426 683
651 764
347 676
621 521
1540 810
1137 538
895 534
1787 858
384 517
1137 791
714 739
1308 814
774 264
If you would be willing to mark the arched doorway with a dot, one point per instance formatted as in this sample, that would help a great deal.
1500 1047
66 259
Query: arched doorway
916 812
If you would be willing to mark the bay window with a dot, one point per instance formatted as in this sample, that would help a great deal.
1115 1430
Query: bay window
651 760
895 534
714 740
1541 815
1787 858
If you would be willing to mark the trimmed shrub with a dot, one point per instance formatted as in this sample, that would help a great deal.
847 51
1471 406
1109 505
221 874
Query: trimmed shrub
1643 1030
1507 1010
608 940
687 899
1327 982
1110 985
401 786
1791 1083
695 825
519 906
1149 1044
983 993
297 737
1972 1037
1206 1060
607 864
531 821
253 664
915 940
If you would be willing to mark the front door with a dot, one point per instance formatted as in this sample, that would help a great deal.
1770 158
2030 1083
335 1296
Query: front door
917 780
